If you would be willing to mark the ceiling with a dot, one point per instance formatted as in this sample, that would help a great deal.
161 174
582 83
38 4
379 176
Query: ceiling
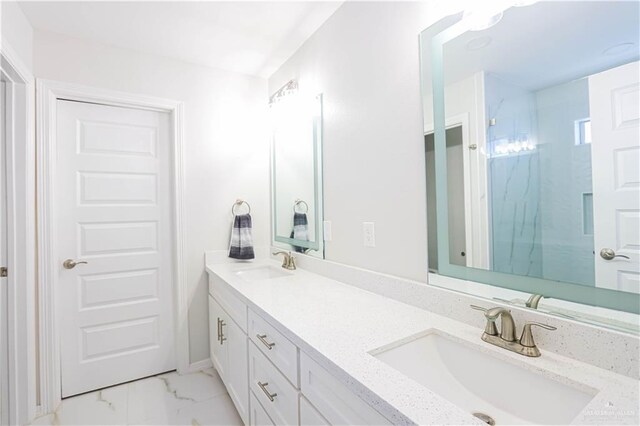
252 38
548 43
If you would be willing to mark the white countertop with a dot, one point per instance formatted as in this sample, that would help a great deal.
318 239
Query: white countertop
337 325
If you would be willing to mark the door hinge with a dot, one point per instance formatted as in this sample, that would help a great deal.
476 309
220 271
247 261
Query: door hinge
3 272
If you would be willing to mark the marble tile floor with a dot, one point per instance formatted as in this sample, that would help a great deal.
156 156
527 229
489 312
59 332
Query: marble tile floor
167 399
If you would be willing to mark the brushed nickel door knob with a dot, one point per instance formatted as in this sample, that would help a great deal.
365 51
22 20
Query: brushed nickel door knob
609 254
70 263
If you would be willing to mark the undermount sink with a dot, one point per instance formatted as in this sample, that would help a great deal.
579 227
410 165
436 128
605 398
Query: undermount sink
480 383
261 273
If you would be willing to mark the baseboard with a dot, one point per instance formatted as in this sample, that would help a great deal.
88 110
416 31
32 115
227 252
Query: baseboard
199 366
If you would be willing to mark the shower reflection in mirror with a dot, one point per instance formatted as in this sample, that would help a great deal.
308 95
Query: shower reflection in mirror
533 163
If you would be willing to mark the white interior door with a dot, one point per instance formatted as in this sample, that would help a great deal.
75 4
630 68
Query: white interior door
113 211
614 103
4 343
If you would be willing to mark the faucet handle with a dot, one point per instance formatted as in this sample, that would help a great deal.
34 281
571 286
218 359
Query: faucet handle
285 258
490 327
527 337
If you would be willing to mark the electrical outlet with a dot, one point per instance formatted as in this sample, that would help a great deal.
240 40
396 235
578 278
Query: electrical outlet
369 233
327 230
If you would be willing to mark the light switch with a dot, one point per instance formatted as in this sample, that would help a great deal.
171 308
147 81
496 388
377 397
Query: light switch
369 232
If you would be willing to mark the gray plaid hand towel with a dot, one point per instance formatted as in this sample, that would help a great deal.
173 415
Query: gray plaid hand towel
241 245
300 230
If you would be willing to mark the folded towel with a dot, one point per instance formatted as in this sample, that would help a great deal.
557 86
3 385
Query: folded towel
241 244
300 230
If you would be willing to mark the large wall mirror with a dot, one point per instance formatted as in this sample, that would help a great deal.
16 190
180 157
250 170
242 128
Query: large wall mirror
532 145
296 171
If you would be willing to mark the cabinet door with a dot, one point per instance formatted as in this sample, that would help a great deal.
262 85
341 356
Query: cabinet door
236 370
309 416
217 350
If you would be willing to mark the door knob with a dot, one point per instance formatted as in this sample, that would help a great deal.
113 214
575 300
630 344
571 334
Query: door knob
70 263
609 254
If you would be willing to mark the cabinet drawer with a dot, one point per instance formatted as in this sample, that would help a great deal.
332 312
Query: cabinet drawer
334 400
309 415
230 303
280 351
259 416
274 392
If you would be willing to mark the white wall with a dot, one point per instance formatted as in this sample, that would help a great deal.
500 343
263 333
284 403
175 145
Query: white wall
17 31
365 61
17 45
227 147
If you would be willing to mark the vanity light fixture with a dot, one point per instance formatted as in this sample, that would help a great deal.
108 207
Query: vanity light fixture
524 3
484 15
507 147
480 18
289 88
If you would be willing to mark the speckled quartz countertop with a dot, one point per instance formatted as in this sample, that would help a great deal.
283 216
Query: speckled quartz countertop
338 325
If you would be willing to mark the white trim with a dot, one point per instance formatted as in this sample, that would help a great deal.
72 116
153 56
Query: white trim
21 241
476 193
471 233
48 92
480 197
199 366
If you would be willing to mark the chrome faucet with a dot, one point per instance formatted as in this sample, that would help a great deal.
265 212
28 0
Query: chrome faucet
507 339
288 261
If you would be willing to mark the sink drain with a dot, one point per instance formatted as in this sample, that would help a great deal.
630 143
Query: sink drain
485 418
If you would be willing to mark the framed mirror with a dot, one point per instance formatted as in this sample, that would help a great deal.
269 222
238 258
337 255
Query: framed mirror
296 172
532 147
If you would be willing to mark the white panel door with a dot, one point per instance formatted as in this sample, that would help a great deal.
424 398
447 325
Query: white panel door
113 211
614 103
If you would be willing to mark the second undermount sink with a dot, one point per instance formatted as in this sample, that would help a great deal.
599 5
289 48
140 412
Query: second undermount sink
261 273
481 383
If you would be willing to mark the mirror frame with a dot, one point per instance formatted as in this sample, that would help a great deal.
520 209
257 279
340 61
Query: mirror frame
318 187
593 296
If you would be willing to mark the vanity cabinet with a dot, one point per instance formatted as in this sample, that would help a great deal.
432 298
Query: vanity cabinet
228 351
271 388
258 415
270 380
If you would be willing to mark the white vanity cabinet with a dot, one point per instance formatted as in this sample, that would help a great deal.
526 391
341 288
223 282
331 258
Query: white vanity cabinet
270 380
228 348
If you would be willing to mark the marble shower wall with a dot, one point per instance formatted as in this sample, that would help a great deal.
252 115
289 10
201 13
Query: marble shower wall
513 180
538 207
565 181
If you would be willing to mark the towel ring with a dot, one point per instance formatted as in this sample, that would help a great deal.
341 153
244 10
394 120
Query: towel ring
240 202
297 203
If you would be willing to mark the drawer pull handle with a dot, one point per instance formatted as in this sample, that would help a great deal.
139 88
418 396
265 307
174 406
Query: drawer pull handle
222 338
271 396
263 339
